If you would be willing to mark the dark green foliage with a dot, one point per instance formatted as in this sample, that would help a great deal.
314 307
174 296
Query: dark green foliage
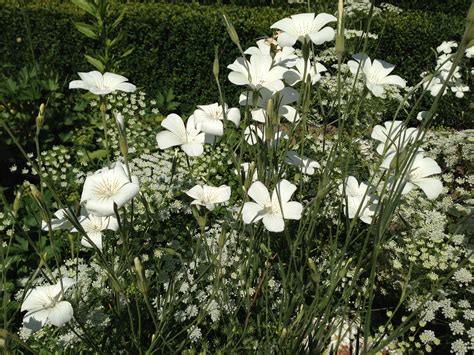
174 43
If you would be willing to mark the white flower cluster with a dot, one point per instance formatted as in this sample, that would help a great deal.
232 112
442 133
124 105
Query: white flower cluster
444 64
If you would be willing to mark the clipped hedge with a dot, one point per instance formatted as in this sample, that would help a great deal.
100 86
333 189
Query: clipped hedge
175 42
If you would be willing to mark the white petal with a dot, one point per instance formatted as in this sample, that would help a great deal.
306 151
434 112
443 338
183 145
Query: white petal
259 193
35 319
193 149
325 35
252 212
431 187
166 139
60 314
274 223
233 115
292 210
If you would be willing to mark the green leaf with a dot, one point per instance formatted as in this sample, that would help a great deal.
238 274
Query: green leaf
87 30
127 52
95 62
84 5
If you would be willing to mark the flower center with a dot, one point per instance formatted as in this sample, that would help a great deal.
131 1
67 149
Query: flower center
108 188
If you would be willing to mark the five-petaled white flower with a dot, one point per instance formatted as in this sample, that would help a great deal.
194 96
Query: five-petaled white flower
281 99
45 305
102 84
59 222
314 70
359 200
375 74
211 118
94 226
304 28
209 196
446 47
257 73
271 210
394 138
306 165
285 56
190 138
419 175
108 186
253 134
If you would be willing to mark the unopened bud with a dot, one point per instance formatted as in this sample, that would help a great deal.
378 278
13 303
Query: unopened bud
140 278
312 265
340 39
103 105
215 66
40 117
17 202
231 30
120 121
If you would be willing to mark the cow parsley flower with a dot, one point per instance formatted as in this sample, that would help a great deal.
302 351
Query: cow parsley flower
375 74
257 73
45 305
102 84
304 28
211 118
359 200
190 138
108 186
209 196
271 210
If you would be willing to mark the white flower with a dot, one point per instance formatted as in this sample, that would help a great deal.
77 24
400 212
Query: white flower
44 305
258 73
375 74
419 175
271 210
422 115
60 222
434 86
211 118
209 196
359 200
459 89
470 52
281 99
446 47
99 84
94 226
304 28
294 76
305 164
252 134
283 56
106 187
394 137
190 138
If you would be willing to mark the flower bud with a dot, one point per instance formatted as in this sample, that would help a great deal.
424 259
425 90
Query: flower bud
139 271
215 66
17 202
120 121
340 29
312 265
40 117
231 30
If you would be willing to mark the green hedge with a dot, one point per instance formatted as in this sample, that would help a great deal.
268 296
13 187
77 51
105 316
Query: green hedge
175 42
